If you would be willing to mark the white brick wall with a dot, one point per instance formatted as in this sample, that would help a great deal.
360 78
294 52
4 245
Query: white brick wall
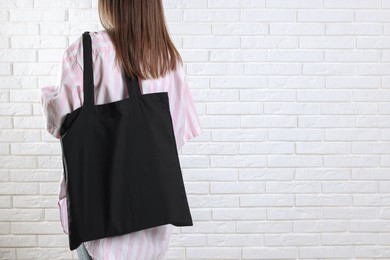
293 97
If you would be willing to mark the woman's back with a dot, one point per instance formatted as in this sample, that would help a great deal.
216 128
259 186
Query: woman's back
106 75
67 96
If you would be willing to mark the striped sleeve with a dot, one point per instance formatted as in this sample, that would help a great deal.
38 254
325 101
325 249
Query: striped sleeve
56 101
63 97
192 126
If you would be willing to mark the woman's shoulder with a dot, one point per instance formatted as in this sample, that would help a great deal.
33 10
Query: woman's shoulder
101 44
100 40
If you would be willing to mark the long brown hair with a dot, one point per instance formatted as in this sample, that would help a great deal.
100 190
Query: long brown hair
139 33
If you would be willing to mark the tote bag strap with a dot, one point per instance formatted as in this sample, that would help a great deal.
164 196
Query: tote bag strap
133 86
88 82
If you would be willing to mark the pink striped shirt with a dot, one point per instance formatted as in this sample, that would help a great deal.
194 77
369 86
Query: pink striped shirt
67 95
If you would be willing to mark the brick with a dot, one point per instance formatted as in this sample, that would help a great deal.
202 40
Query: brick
62 4
352 4
323 15
211 15
37 14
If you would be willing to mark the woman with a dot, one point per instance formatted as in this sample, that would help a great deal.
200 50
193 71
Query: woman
134 31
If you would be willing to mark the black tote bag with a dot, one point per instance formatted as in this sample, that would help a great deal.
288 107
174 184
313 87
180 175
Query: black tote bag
121 163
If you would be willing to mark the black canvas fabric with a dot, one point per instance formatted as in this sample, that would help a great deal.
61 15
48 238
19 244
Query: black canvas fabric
121 163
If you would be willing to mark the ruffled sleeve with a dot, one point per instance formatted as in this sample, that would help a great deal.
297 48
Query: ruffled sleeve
190 126
63 97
